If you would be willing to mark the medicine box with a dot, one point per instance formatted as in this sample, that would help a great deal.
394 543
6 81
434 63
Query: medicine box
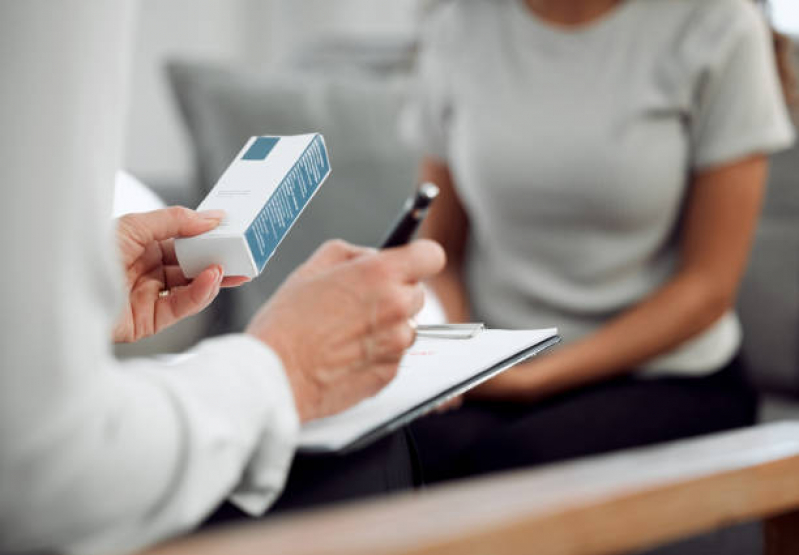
263 192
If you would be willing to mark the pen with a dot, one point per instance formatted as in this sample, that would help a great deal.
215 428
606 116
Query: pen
407 223
412 214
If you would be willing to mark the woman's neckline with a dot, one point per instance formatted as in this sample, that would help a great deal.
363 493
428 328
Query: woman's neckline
593 25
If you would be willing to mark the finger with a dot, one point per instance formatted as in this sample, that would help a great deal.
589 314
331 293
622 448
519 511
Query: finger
234 281
416 261
417 299
168 252
376 378
451 404
397 305
390 344
173 277
335 252
188 299
148 261
168 223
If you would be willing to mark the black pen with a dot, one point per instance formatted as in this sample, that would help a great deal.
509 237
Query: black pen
412 214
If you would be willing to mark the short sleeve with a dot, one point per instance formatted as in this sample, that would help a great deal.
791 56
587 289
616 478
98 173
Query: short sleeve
739 106
426 116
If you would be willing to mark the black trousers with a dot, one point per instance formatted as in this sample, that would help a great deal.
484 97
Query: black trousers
626 412
486 437
384 467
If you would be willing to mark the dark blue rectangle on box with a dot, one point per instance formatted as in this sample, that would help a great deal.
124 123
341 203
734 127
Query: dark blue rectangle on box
261 148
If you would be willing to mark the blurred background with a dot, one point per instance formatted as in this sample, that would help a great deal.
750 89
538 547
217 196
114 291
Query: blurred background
208 74
263 34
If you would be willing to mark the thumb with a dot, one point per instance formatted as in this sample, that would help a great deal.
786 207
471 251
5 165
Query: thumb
169 223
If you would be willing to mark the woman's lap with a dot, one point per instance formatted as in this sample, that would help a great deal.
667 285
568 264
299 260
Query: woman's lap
617 414
487 437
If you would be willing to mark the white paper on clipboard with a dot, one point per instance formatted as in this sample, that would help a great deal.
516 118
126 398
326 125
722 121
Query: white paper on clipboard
432 371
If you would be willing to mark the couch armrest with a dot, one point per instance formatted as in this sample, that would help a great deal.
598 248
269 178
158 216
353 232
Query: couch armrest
769 307
616 503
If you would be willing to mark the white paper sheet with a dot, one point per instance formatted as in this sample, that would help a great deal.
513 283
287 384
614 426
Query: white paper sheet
430 368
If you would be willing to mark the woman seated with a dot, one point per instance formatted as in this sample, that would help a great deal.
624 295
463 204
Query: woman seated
602 165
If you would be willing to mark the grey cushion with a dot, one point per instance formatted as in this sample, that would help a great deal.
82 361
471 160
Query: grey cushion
769 297
372 172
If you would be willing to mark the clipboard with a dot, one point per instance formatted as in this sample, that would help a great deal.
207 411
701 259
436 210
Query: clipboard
413 394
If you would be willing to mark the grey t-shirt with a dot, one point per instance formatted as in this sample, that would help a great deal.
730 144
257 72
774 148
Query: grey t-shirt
572 150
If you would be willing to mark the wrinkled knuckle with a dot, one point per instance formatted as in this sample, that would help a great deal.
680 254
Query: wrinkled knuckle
388 372
126 221
395 309
179 213
400 340
407 337
336 246
139 298
395 342
377 270
129 225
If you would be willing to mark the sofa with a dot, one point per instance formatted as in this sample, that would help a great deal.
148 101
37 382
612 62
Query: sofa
357 110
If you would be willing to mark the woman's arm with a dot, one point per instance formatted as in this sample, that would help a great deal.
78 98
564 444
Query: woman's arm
448 224
722 209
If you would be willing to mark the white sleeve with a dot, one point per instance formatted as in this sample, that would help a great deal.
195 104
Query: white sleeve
738 108
98 455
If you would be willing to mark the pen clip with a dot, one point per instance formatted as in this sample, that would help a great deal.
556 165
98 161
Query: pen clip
449 331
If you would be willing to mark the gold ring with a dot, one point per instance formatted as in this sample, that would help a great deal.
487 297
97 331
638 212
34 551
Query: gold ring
163 293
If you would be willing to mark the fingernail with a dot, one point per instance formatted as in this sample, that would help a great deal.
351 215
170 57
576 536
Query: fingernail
216 215
218 274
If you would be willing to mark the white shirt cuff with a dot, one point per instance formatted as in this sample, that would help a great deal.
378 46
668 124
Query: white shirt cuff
265 473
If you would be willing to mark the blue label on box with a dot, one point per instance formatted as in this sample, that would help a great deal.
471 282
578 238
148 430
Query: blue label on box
261 148
287 202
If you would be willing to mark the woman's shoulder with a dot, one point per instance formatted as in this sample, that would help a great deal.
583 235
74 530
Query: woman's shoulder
709 18
699 35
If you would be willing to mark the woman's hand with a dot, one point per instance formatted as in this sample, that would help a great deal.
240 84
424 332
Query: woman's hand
158 293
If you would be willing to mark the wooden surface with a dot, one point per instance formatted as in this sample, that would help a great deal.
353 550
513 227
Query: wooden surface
613 504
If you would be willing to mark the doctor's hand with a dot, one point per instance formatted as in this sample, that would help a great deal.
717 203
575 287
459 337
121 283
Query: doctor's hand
340 323
158 294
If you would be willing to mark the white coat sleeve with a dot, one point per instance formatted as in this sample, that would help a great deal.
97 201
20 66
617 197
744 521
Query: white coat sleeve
98 455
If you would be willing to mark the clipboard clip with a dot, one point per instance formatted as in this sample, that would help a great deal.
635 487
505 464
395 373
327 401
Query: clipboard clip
449 331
